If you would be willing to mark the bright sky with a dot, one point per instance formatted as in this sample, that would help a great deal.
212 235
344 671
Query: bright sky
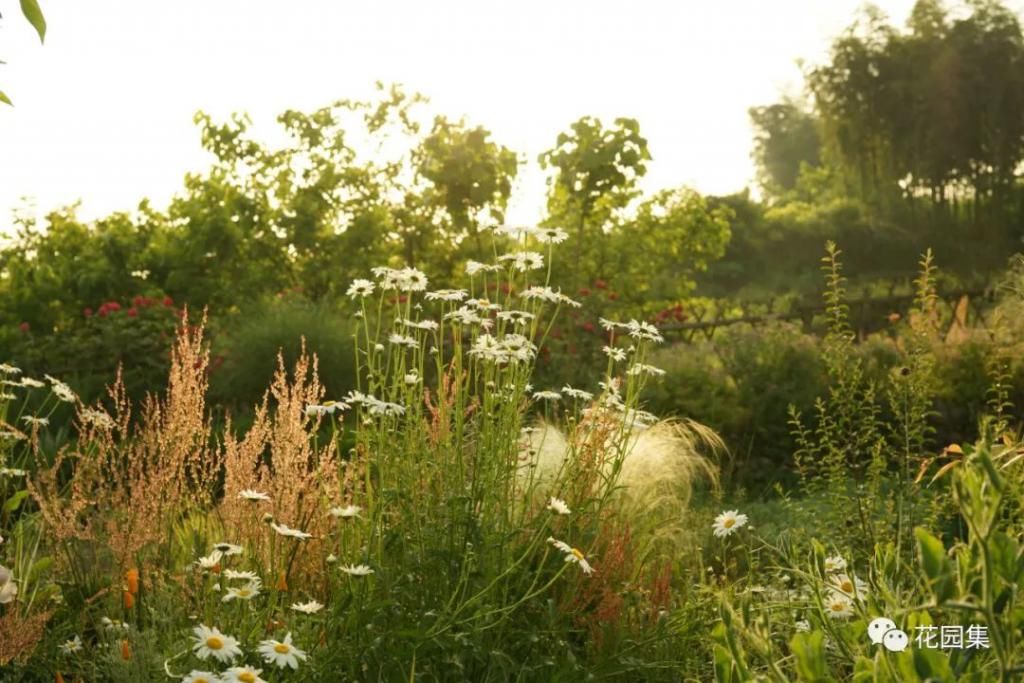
103 111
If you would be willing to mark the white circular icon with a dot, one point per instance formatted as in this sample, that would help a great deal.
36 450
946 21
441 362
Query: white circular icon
895 640
878 628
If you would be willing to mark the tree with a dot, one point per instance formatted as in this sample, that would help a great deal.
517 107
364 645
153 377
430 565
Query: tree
785 139
596 173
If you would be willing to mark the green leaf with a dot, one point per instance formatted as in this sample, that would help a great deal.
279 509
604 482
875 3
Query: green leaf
14 502
5 99
936 565
32 12
809 650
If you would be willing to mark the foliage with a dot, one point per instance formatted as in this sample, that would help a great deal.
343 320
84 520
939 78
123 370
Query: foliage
33 15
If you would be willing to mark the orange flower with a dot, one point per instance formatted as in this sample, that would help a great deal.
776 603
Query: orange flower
58 678
126 652
129 600
132 578
282 582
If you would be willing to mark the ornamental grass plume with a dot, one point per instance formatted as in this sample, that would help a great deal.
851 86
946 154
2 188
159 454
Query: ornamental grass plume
146 474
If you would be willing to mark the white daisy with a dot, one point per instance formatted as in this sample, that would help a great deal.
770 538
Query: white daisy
61 390
838 606
849 586
644 369
9 369
356 569
311 607
347 512
427 325
281 653
253 495
835 563
8 589
196 676
31 383
547 395
210 561
242 674
474 267
36 421
285 530
360 288
573 555
228 549
558 506
210 642
447 295
246 592
577 393
728 522
231 574
70 647
551 235
402 340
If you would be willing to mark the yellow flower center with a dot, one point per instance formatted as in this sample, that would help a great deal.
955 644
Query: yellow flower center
282 648
729 523
244 592
247 677
577 553
847 586
837 606
214 643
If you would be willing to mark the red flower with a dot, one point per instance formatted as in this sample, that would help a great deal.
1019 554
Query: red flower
24 327
112 306
87 312
132 312
612 296
139 301
168 302
588 326
600 284
584 291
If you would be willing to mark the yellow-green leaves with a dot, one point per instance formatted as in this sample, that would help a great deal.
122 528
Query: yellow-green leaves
32 12
937 567
809 651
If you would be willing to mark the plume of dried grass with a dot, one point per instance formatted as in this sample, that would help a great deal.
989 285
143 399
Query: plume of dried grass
19 635
128 483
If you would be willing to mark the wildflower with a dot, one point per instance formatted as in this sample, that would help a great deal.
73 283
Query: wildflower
326 408
406 279
558 506
246 592
12 472
516 232
285 530
126 650
851 587
357 569
331 559
248 576
62 390
31 383
253 496
427 325
464 315
228 549
802 626
131 578
577 393
36 421
644 330
210 642
643 368
360 288
728 522
281 653
347 512
70 647
211 561
447 295
96 418
196 676
128 599
8 589
549 295
524 260
311 607
547 395
282 582
551 235
267 518
515 317
403 340
411 378
573 555
113 624
486 347
834 563
8 369
242 674
839 606
474 267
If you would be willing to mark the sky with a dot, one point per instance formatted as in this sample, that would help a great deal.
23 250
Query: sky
103 111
